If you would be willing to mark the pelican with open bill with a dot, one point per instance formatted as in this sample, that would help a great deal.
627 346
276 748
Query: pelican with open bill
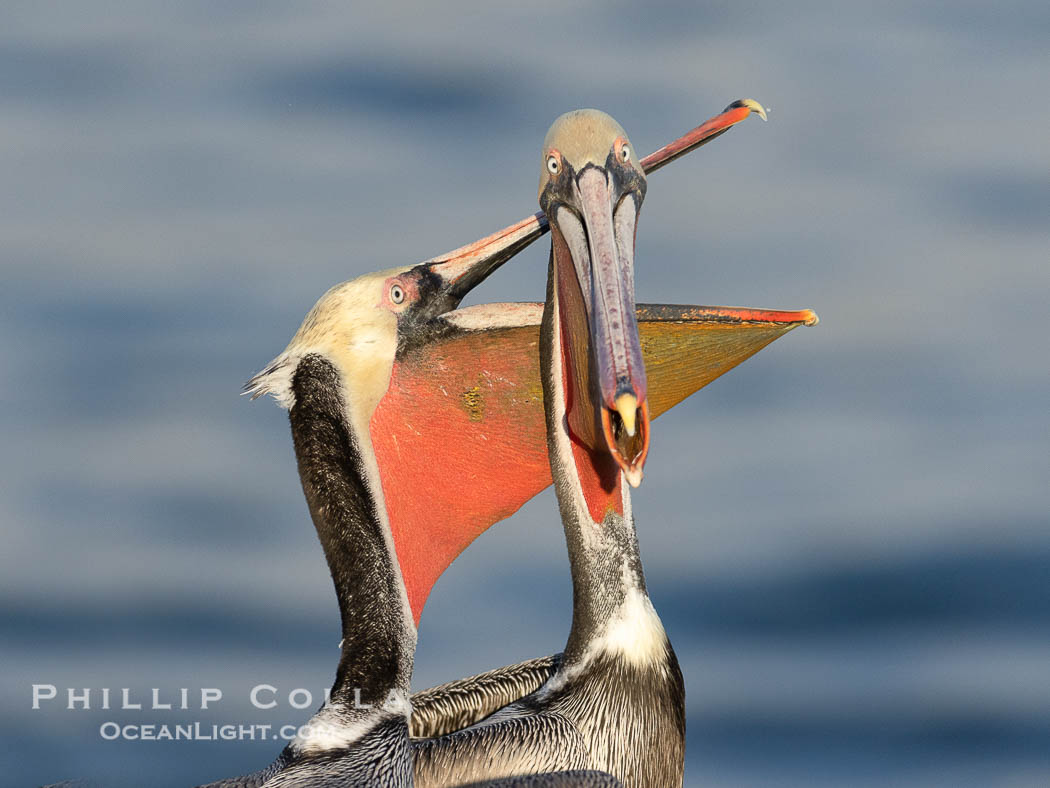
335 379
384 374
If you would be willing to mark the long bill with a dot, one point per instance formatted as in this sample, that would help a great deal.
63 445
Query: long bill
594 269
464 268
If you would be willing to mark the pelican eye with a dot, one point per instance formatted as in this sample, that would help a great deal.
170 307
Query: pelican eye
397 294
552 165
625 153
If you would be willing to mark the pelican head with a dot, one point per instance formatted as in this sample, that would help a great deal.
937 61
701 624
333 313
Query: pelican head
591 189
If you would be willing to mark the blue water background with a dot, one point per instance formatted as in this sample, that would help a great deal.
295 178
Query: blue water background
847 537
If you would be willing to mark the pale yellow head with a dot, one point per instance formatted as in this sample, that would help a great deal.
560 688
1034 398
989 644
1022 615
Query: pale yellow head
355 327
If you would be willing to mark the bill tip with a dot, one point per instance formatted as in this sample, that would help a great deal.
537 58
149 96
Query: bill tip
752 105
627 406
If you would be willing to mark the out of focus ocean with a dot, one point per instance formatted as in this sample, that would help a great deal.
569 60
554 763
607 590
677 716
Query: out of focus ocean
847 537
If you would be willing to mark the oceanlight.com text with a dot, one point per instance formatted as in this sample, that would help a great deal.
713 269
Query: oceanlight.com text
196 731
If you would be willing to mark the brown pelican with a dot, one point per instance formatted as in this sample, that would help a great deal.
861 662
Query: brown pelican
618 681
385 371
333 377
